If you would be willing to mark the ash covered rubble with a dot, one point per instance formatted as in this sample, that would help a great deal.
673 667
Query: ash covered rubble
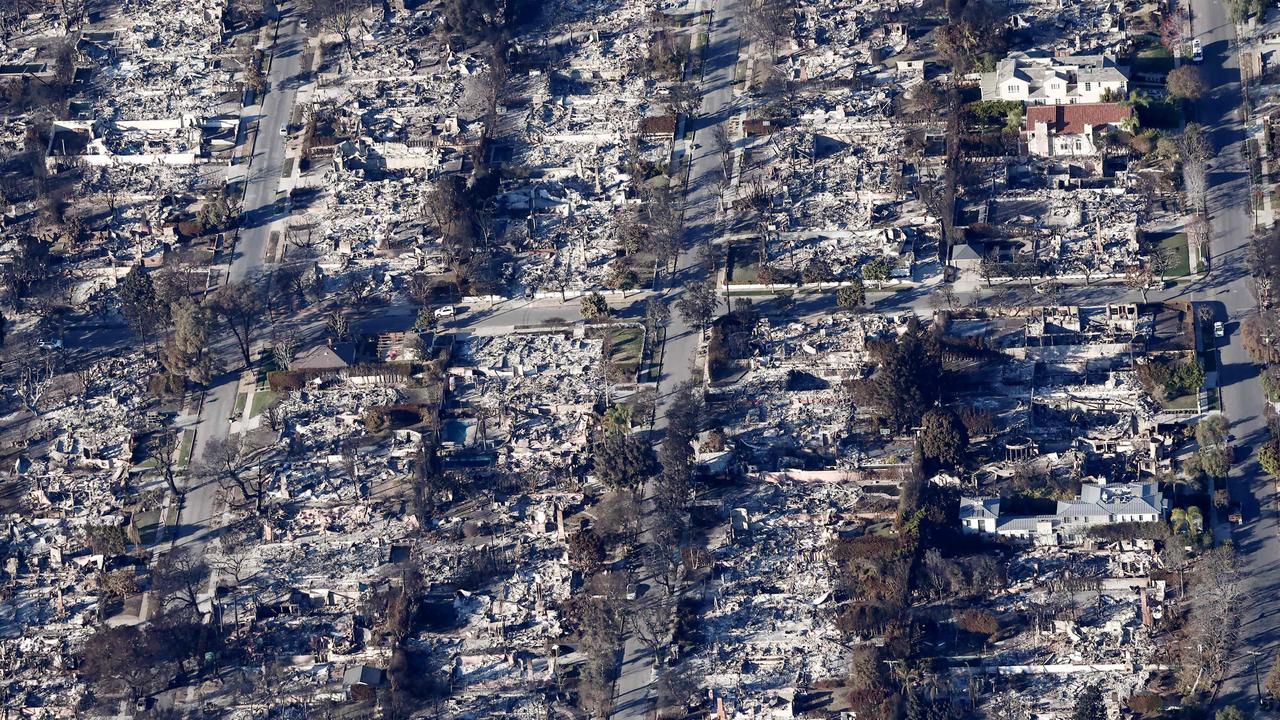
833 189
791 409
159 46
1097 617
1072 229
401 116
531 399
81 501
388 135
321 586
579 141
841 40
768 622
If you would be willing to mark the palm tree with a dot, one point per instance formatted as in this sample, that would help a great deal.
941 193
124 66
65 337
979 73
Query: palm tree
1178 520
1195 520
1137 99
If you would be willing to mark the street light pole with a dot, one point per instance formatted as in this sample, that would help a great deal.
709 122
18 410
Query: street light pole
1257 686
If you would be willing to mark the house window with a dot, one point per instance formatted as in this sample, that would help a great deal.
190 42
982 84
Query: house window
1088 87
1013 89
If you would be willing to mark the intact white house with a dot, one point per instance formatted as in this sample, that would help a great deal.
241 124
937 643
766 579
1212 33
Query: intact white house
1072 130
1067 80
1097 505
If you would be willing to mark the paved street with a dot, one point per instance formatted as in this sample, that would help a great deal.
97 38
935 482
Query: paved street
635 694
198 519
1243 396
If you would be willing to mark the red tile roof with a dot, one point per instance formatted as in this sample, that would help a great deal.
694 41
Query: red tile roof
1071 119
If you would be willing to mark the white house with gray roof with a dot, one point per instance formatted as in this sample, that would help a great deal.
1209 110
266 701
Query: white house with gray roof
1064 80
1098 504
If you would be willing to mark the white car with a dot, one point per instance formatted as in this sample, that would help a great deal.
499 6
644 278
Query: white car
284 131
444 312
1197 51
51 344
1219 330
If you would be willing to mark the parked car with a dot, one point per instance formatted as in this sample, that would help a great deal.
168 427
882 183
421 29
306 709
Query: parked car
284 130
1197 51
444 311
1219 329
50 344
1235 515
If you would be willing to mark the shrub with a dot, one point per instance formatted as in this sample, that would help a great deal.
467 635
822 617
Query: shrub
108 540
286 380
377 420
1125 531
1269 458
166 384
992 111
1146 703
979 622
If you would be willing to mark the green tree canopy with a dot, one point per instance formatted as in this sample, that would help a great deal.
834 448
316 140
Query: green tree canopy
943 438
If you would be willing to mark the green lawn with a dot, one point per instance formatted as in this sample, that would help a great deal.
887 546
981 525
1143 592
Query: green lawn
261 400
266 364
1175 244
627 344
148 522
1215 399
1152 60
652 367
1190 401
743 268
184 447
1164 115
241 399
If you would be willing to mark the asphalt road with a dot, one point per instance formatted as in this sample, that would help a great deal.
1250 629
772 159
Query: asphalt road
634 692
1243 397
198 520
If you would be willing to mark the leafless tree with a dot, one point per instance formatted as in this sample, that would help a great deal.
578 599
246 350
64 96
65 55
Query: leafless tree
164 450
341 17
1195 149
305 240
767 22
724 146
946 297
35 378
680 686
1159 260
272 416
1001 300
1139 277
283 350
229 462
1197 234
338 324
683 99
351 464
179 577
239 305
1195 183
72 13
650 620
